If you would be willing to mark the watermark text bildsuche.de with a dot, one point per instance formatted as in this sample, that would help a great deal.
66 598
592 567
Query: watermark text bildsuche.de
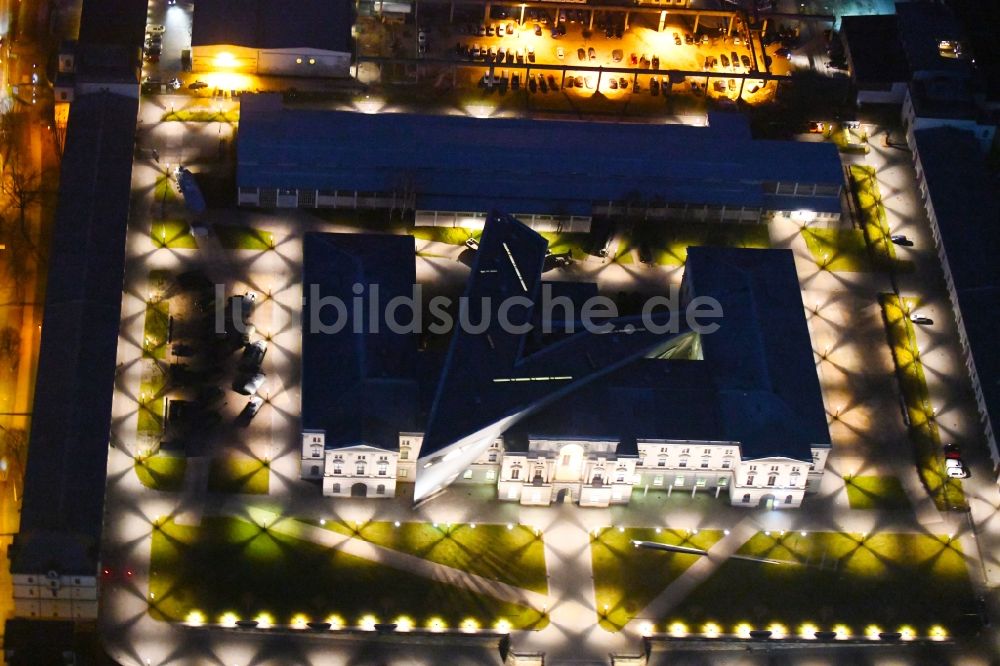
366 312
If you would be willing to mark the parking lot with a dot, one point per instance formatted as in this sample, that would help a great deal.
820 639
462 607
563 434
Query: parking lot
616 53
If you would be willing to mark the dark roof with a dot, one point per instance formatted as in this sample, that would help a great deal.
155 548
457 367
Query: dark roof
274 24
442 158
33 642
874 48
922 26
113 22
359 383
63 500
980 19
968 215
757 384
489 377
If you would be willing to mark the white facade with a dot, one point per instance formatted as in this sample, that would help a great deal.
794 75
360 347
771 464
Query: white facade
306 62
53 596
589 473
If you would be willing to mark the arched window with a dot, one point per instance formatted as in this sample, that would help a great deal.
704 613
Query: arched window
515 473
771 480
727 463
383 468
746 498
380 490
788 499
621 471
360 469
750 478
683 462
314 470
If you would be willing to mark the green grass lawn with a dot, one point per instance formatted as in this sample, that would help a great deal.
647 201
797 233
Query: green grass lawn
164 189
849 141
627 578
173 234
669 240
228 565
161 472
574 243
492 551
873 219
876 492
838 249
152 403
927 447
238 474
202 116
156 329
450 235
888 580
234 237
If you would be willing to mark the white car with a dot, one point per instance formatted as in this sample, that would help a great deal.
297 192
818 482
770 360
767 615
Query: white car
956 468
249 384
155 29
253 355
560 52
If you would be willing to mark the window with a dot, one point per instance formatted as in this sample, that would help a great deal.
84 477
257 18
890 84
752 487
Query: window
515 473
753 468
726 464
661 461
729 452
314 470
566 460
490 475
493 456
380 490
788 499
467 474
663 449
404 453
337 469
771 480
708 452
621 477
658 480
795 470
679 481
335 488
683 451
383 468
360 468
723 481
704 463
750 478
315 439
403 473
683 462
746 498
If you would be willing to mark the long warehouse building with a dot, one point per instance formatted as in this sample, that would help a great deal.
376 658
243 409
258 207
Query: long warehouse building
552 175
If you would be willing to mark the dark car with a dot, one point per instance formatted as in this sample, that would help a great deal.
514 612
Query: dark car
552 82
515 81
656 62
654 86
581 54
592 53
784 53
725 60
197 85
677 39
538 30
745 60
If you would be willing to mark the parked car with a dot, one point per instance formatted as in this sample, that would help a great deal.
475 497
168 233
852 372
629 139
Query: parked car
538 30
735 58
155 29
724 59
656 62
253 355
654 86
510 29
613 84
633 59
918 318
515 81
677 39
952 451
784 53
578 81
197 85
900 239
248 384
552 82
560 52
617 55
591 53
249 411
688 38
623 83
745 60
531 54
568 82
956 468
816 127
581 54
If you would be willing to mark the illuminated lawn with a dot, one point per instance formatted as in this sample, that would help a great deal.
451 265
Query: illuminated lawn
234 237
164 188
574 243
513 556
228 565
889 580
173 234
627 578
156 329
238 474
152 401
668 241
876 492
927 446
873 219
838 249
203 116
450 235
161 472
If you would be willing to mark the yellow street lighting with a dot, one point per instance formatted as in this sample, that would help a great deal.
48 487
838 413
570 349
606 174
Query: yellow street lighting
195 618
711 630
678 630
225 60
368 623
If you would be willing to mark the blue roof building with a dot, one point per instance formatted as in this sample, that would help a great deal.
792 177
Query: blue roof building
377 410
437 167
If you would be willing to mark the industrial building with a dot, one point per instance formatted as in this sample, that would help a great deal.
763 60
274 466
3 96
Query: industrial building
265 37
581 416
452 170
